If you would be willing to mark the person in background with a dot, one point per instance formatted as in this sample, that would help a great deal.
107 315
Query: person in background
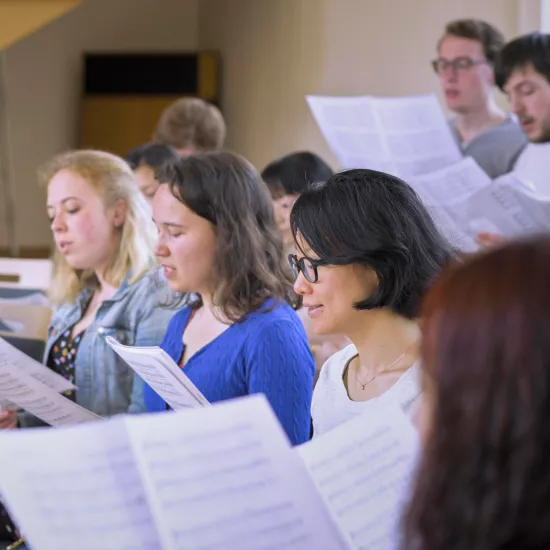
144 161
483 480
240 334
191 125
104 239
466 55
287 178
367 252
523 73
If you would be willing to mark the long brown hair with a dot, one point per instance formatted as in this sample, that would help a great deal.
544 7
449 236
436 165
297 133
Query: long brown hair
484 480
227 190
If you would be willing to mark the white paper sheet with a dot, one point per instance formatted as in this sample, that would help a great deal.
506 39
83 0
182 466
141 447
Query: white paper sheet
363 469
465 202
158 370
30 394
26 364
76 488
404 136
225 478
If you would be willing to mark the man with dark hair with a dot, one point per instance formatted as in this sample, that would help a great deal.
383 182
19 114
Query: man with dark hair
191 125
523 73
467 53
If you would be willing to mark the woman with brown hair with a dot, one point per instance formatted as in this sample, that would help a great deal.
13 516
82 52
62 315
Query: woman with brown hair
484 479
239 334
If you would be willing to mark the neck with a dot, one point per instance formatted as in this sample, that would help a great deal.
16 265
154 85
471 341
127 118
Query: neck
382 337
476 121
211 310
104 288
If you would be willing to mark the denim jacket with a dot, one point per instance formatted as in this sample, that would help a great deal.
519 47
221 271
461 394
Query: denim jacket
106 385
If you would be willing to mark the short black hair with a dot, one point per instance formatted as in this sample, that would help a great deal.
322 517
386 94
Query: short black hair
294 173
529 49
153 155
376 220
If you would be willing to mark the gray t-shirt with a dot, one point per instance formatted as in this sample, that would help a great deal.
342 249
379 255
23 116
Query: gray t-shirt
497 149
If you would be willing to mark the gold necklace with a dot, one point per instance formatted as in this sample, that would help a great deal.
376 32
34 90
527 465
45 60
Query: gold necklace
363 386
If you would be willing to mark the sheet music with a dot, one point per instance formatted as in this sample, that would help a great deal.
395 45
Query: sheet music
76 488
30 394
363 469
465 202
13 356
158 370
515 209
404 136
224 477
446 194
350 126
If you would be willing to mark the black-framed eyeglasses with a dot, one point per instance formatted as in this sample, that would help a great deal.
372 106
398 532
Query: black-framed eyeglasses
305 266
462 64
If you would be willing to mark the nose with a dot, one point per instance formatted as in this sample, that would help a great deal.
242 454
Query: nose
516 105
161 250
58 224
301 285
448 73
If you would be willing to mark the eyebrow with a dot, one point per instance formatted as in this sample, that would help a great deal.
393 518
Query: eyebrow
169 224
521 84
64 201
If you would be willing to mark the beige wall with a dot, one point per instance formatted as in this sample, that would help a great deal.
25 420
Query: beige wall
276 51
43 84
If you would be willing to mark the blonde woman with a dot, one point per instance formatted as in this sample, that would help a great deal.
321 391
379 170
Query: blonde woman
102 284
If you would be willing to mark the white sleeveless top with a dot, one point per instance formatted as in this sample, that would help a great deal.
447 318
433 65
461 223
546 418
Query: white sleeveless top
331 405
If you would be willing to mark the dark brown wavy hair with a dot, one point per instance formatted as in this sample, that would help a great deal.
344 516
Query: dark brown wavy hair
249 266
484 479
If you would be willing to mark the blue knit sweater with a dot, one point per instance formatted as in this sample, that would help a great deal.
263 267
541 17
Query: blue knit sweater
267 353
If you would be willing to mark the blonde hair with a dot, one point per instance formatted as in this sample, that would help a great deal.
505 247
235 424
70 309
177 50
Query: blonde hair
113 179
191 122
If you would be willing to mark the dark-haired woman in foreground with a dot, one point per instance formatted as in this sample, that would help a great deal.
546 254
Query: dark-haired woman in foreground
368 251
241 335
484 480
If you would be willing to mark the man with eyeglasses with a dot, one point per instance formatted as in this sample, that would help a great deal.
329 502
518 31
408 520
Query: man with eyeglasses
466 56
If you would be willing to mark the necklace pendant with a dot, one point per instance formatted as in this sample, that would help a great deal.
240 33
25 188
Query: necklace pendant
363 386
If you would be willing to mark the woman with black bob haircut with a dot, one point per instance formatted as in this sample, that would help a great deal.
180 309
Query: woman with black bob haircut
368 251
218 240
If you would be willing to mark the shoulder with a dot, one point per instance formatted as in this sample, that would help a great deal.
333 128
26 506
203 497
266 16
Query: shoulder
333 368
272 314
277 333
148 295
509 136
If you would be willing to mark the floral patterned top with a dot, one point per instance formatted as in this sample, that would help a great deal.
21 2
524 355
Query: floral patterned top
62 358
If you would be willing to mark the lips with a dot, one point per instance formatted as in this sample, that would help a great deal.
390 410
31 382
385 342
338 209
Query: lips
168 271
451 94
527 123
64 246
314 310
